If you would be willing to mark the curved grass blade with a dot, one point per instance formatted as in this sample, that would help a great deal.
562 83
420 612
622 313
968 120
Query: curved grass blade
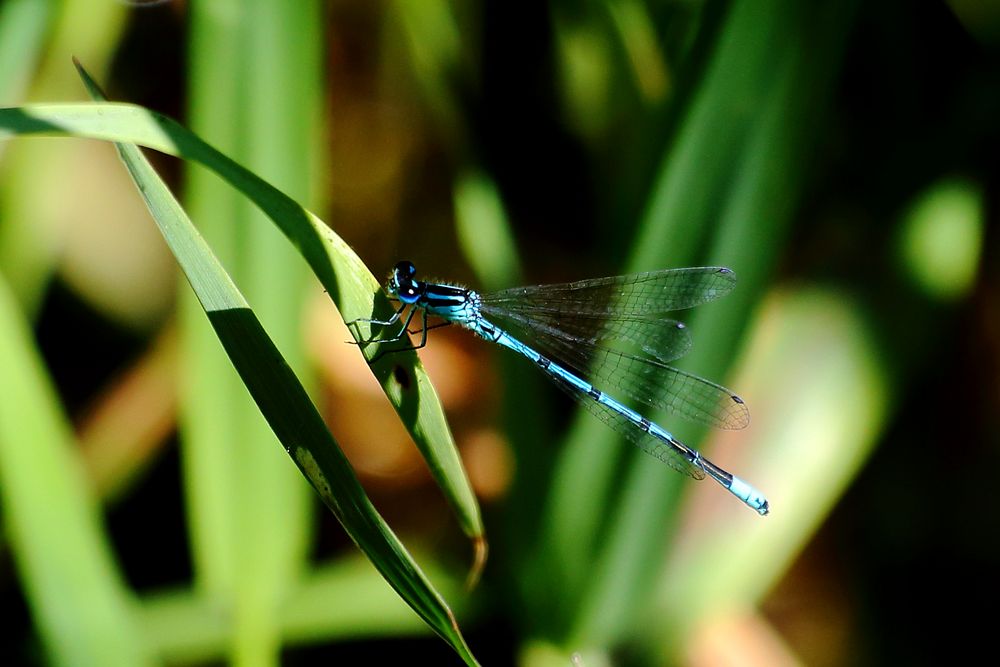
355 291
286 406
278 393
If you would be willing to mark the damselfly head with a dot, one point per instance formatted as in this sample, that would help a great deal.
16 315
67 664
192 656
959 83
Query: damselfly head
401 282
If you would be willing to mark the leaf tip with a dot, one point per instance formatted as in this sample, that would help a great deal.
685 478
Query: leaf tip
480 549
93 89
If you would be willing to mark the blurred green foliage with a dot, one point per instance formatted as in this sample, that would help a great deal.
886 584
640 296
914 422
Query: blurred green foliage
843 168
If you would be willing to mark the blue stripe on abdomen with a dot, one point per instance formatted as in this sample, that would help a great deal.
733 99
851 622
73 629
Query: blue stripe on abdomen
671 447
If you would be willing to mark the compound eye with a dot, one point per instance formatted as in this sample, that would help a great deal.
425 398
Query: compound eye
405 268
409 294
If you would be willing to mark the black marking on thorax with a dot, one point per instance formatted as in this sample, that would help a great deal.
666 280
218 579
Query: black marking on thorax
443 296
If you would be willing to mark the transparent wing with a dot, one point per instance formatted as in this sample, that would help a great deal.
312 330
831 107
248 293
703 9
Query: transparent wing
639 376
623 426
660 337
636 295
612 331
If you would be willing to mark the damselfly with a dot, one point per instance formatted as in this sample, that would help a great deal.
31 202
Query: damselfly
613 330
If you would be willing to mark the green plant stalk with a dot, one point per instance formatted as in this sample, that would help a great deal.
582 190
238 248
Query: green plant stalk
211 392
81 606
241 87
432 37
281 121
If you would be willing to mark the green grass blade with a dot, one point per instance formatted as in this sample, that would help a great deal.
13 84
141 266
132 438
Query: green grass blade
285 404
351 286
484 232
253 529
278 393
212 408
81 606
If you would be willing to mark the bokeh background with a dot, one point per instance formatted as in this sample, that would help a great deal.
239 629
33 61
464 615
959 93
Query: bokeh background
840 156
